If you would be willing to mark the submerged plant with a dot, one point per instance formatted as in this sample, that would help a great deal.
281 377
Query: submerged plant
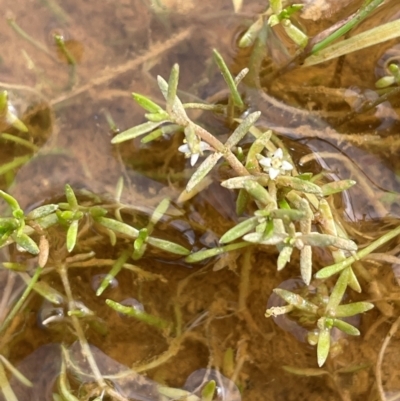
281 208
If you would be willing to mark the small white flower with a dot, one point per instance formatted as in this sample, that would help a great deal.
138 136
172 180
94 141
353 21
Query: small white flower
274 164
194 156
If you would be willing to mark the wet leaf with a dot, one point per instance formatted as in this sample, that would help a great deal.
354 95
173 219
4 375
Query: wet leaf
306 264
203 170
237 100
263 239
324 343
27 243
134 132
284 257
13 203
346 327
371 37
251 34
209 253
72 234
172 87
207 393
41 211
338 291
117 226
296 300
240 229
353 309
146 103
158 117
337 186
323 240
71 198
259 193
242 129
298 184
139 315
178 110
168 246
308 372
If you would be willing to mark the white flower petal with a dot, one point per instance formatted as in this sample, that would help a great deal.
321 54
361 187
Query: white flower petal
286 166
265 161
193 158
184 148
273 173
204 146
278 153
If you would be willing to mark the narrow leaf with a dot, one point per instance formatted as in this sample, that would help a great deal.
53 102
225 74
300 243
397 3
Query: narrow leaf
346 327
117 226
237 100
134 132
26 243
324 343
146 103
168 246
242 129
353 309
72 234
240 229
203 170
209 253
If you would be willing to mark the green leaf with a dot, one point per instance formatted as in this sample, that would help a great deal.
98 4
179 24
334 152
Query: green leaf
307 372
168 246
72 234
134 132
207 393
242 129
117 226
139 315
251 34
201 172
338 291
71 198
324 344
323 240
376 35
157 117
353 309
209 253
306 264
337 186
26 243
263 239
146 103
259 193
284 257
10 200
298 184
172 87
346 327
178 110
240 229
41 211
115 269
296 300
158 213
237 100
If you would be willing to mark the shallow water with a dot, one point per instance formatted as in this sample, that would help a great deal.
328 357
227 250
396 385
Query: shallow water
121 47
